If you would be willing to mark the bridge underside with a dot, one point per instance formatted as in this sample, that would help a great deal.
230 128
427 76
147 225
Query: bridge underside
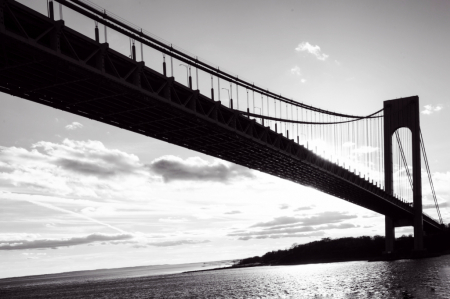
45 62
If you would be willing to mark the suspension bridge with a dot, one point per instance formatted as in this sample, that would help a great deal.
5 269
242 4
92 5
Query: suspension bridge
373 161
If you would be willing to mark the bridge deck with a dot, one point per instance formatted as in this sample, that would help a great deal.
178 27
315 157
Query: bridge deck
43 61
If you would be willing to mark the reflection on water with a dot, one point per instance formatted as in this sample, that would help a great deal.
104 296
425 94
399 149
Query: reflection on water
427 278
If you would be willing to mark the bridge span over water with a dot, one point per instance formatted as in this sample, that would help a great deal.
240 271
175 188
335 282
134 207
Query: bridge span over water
47 62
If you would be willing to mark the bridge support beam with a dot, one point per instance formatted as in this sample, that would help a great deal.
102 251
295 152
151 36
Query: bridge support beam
389 235
2 16
404 113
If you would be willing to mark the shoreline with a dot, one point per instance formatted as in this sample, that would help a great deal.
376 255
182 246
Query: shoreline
383 258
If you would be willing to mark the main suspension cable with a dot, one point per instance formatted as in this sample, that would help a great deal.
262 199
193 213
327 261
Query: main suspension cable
405 163
424 153
309 123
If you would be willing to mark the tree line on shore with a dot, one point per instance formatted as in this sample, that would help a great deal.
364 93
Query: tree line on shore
348 249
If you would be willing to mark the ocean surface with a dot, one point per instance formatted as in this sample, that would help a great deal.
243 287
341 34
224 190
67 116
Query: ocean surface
426 278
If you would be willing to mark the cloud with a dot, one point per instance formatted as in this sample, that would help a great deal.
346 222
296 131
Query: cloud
173 168
313 234
338 226
289 227
372 215
284 206
177 243
278 221
302 209
429 109
273 230
120 242
33 255
138 246
173 220
244 238
87 167
290 231
441 182
314 50
73 126
296 71
433 206
327 217
322 218
365 149
6 237
233 212
52 243
89 158
76 168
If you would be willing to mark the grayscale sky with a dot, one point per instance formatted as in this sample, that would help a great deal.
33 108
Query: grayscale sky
77 194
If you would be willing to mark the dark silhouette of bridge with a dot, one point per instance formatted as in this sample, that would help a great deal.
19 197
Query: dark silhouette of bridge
46 62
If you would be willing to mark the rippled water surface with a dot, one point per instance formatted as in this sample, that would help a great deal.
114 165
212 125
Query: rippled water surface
427 278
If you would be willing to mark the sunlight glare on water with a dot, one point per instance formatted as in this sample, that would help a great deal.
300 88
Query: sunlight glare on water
426 278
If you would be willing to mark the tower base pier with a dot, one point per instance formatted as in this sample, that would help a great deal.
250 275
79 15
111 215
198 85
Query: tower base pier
389 235
391 224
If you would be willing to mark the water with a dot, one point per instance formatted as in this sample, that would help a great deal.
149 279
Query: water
427 278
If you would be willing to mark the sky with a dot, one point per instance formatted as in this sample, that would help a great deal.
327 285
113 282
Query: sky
76 194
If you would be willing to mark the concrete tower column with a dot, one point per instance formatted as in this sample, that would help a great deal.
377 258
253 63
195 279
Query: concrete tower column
389 234
403 113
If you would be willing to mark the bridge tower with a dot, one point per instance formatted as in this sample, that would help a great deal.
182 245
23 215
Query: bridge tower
403 113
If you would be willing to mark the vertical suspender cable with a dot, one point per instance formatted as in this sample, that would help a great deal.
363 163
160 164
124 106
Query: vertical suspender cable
297 126
237 95
248 103
262 105
218 86
253 95
171 63
196 71
212 88
106 35
142 50
292 118
367 147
